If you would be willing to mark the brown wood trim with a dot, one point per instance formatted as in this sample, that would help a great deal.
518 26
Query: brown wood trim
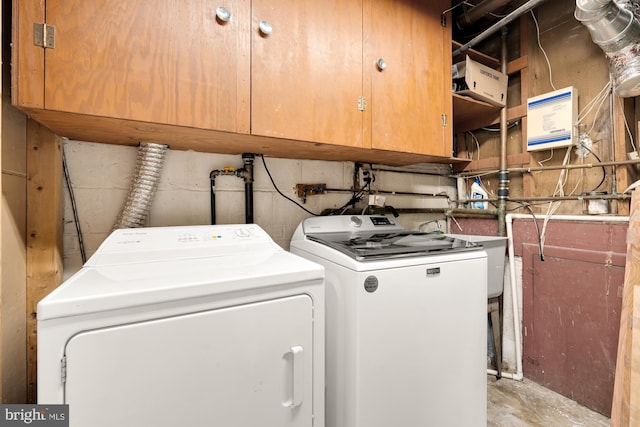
514 113
494 162
625 409
27 78
517 65
84 127
477 56
44 231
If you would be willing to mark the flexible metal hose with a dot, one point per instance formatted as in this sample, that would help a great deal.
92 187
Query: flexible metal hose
144 183
615 28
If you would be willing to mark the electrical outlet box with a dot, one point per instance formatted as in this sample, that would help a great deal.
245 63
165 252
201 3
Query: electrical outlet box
376 200
304 190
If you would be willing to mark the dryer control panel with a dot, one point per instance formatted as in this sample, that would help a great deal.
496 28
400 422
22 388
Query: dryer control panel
131 245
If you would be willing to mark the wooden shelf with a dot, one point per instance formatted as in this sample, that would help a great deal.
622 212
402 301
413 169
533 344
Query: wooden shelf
470 114
480 57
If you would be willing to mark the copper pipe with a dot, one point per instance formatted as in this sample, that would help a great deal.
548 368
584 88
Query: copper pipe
548 168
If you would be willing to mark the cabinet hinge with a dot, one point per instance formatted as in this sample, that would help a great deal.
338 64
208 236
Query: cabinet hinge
44 35
362 103
444 120
63 369
443 20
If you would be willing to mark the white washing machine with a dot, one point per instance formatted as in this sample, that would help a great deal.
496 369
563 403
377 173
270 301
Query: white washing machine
406 320
193 326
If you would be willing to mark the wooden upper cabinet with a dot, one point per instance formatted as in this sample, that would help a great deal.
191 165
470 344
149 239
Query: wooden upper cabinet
306 76
160 61
410 99
305 85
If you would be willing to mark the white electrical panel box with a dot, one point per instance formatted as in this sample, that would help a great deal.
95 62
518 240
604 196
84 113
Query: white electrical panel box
551 118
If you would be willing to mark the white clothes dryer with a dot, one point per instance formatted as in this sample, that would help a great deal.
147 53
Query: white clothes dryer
192 326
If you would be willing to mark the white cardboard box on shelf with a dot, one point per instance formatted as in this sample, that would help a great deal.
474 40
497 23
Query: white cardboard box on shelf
482 82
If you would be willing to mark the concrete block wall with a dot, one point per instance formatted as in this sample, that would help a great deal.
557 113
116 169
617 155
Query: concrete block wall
100 177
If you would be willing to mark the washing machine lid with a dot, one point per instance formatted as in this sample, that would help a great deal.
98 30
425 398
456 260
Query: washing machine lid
374 237
370 246
141 267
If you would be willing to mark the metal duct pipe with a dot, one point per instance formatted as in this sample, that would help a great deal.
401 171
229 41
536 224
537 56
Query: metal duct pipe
495 27
144 183
616 30
479 11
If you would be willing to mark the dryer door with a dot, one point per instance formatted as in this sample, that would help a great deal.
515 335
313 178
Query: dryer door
239 366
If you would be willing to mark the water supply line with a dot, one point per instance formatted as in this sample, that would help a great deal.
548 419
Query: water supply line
615 28
149 165
503 174
246 173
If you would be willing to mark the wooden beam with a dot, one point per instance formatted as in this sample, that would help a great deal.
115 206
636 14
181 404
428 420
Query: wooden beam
44 231
517 64
619 136
634 386
1 258
625 406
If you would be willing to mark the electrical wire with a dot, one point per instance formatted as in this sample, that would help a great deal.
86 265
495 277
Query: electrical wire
280 192
543 51
604 171
555 205
459 4
541 162
475 139
357 195
355 198
511 126
74 207
535 223
597 100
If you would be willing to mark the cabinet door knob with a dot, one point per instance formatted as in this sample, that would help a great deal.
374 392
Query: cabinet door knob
223 14
265 28
382 64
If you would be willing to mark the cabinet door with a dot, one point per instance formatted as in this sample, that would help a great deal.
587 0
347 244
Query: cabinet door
160 61
410 96
306 75
232 367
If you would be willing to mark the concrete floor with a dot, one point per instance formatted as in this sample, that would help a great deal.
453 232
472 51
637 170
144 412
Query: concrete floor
525 403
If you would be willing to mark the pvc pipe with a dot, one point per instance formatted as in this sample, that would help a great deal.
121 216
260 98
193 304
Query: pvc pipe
517 329
518 375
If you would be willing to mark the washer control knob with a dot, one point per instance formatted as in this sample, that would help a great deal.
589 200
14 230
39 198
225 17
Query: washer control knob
355 221
242 232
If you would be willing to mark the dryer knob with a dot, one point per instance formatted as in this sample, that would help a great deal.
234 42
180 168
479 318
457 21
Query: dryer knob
355 221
